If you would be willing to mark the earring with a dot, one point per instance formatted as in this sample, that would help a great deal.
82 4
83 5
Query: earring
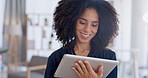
69 40
73 38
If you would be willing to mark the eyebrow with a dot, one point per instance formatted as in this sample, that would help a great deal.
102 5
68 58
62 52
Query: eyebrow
87 20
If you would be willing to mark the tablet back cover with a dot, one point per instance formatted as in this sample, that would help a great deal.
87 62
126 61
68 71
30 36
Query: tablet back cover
64 69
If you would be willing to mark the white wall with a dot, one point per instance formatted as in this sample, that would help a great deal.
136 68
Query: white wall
132 34
122 44
123 8
43 7
139 28
2 4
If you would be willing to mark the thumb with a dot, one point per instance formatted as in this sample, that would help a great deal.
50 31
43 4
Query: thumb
100 71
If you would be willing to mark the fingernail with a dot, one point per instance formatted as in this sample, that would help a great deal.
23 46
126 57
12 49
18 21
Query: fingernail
101 68
85 61
79 61
76 63
73 67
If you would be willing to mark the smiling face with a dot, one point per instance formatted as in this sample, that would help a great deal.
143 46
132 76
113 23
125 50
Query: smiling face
87 26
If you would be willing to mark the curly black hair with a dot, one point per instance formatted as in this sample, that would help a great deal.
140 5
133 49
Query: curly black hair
67 13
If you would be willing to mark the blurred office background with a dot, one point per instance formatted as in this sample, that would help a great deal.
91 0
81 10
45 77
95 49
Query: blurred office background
26 31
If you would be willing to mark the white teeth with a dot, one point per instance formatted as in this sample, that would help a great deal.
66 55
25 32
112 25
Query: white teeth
85 35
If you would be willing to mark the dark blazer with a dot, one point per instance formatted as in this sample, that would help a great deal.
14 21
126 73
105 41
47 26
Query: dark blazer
55 58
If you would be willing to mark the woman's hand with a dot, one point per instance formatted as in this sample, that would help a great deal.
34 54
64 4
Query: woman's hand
85 70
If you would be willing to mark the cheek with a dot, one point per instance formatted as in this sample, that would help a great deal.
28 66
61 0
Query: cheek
95 30
79 27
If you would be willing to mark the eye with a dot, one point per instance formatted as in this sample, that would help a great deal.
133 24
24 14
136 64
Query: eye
82 22
95 24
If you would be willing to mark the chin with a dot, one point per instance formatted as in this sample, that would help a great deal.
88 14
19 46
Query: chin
84 41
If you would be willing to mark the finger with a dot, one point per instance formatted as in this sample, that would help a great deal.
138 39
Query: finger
89 67
75 70
100 71
82 65
78 68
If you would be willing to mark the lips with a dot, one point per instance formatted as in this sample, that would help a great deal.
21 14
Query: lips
85 35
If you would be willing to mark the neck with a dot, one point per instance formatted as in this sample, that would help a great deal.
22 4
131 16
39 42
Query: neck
80 47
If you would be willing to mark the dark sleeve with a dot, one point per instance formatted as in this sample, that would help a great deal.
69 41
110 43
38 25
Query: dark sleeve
49 72
53 62
113 74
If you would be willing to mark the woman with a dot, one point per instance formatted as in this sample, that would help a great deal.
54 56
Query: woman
85 27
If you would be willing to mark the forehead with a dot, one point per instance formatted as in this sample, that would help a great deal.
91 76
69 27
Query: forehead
90 14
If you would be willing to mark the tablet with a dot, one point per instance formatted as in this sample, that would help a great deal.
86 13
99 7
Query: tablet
64 69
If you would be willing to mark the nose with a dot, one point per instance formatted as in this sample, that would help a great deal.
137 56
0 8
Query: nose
87 28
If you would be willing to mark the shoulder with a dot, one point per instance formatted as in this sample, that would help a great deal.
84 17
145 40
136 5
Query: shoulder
58 54
55 58
53 62
109 54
